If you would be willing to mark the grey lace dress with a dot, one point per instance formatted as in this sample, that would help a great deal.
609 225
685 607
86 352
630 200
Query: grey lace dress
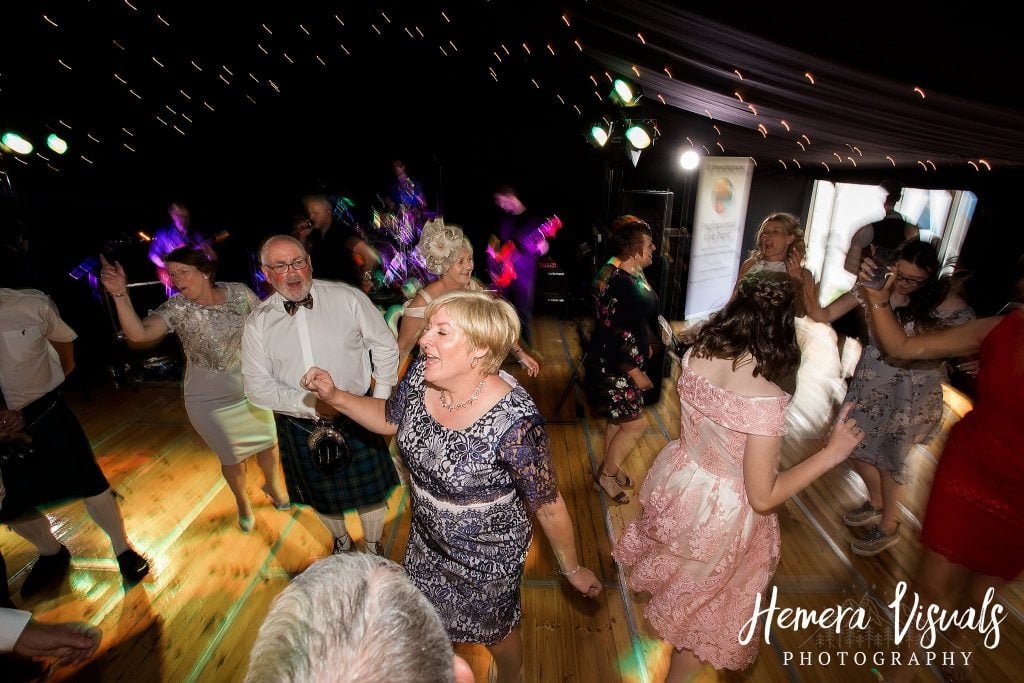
215 401
472 494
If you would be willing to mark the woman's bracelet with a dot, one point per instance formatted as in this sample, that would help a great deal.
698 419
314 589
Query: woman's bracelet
124 293
881 304
568 574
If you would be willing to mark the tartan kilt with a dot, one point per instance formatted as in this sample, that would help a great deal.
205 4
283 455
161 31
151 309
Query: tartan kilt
368 479
58 465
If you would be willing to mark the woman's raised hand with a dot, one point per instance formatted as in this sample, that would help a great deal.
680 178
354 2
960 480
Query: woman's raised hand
319 382
112 276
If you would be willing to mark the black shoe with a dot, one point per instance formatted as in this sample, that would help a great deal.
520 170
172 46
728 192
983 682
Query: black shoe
48 570
132 565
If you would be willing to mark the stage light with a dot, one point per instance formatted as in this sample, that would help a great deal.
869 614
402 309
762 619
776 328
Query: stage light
599 134
13 142
56 143
625 94
689 160
639 136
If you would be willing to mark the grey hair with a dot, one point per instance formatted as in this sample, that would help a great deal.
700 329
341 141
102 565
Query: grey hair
440 244
352 617
273 239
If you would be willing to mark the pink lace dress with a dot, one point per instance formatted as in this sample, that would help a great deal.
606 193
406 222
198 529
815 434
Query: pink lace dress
698 547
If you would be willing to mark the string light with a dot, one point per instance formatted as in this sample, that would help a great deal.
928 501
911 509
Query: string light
920 92
50 21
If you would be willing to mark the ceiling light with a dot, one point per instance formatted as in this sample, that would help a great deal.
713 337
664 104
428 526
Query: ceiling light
624 93
599 134
640 135
56 143
15 143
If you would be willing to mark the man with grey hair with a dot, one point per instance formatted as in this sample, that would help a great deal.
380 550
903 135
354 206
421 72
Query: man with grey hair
309 322
354 618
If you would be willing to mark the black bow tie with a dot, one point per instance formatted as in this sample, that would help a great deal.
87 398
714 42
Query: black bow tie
292 306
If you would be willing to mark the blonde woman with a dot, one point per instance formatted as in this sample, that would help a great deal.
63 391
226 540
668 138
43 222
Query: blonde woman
447 253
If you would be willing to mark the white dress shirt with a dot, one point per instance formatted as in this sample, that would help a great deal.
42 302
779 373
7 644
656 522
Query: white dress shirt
344 330
29 365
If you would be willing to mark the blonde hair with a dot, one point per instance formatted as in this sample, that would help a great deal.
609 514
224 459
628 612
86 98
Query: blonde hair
790 223
488 323
440 244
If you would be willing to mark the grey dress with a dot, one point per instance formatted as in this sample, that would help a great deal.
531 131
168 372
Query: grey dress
211 337
898 403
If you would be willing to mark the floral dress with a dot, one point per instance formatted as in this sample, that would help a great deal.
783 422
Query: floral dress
626 308
698 547
473 491
898 403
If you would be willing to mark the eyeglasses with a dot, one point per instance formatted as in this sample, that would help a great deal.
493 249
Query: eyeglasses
909 280
282 268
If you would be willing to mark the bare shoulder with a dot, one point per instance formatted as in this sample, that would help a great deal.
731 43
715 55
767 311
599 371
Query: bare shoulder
739 380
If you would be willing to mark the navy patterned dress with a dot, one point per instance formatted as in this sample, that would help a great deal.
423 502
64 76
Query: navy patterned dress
472 494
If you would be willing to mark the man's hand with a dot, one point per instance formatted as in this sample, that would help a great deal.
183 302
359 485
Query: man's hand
70 643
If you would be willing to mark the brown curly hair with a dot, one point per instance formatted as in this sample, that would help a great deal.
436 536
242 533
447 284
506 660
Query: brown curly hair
758 320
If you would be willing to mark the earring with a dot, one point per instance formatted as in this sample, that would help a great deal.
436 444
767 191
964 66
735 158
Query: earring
473 363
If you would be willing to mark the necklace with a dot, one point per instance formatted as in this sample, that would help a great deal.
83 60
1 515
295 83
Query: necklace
452 407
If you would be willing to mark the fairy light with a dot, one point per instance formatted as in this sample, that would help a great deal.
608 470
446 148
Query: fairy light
262 49
578 45
454 46
764 130
273 85
526 48
87 160
253 77
737 72
419 31
123 82
321 60
985 164
441 48
158 62
50 21
374 27
63 124
891 160
304 29
227 70
853 161
922 164
270 33
208 105
836 155
662 98
340 22
163 21
249 97
592 78
717 130
565 18
221 77
809 76
739 96
920 92
127 147
752 108
198 68
973 165
135 94
386 17
445 17
64 64
130 134
117 45
636 71
131 6
187 117
409 33
535 83
170 109
785 124
667 72
643 41
550 49
784 164
827 169
806 138
802 148
175 127
161 120
720 146
497 56
579 112
343 49
931 163
797 163
92 137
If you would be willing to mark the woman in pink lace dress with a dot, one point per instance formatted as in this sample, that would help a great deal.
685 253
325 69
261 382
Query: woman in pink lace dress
707 539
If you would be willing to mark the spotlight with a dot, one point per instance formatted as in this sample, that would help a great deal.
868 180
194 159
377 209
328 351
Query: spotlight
600 134
56 143
641 134
689 160
15 143
625 94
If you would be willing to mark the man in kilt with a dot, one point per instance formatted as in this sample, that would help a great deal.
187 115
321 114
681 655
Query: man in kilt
334 326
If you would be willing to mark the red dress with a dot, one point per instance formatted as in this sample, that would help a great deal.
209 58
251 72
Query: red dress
975 514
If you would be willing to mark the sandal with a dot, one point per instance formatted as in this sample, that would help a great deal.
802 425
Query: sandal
623 480
620 498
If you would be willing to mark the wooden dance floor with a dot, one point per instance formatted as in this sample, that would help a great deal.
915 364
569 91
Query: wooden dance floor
196 616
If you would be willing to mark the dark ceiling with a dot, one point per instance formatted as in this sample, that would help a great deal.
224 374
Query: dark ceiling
186 97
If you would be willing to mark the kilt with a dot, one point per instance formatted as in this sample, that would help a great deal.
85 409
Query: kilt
57 465
368 479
